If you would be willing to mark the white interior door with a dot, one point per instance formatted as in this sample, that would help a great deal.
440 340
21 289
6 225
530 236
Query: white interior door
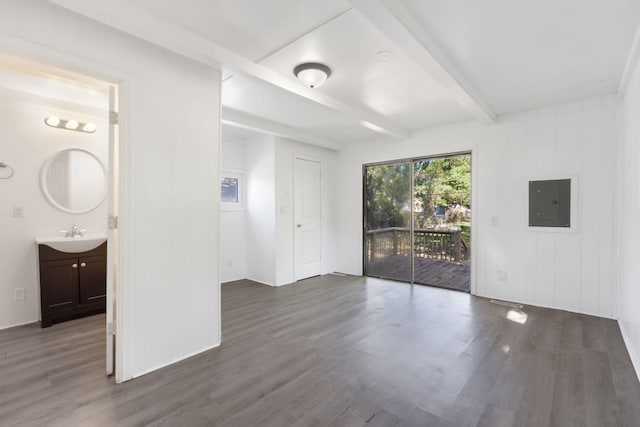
306 214
112 241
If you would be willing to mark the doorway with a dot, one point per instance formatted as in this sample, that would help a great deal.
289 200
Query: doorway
60 117
417 221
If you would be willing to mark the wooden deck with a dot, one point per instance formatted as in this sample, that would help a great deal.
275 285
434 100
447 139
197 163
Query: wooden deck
441 273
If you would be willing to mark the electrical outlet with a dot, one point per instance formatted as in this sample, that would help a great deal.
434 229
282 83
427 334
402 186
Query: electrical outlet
228 263
495 221
20 294
18 212
502 275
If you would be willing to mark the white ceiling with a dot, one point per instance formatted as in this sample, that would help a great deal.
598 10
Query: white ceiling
452 60
521 54
252 28
398 89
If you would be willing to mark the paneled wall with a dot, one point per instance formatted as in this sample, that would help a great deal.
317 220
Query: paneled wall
269 214
261 209
628 215
286 151
170 219
233 223
567 270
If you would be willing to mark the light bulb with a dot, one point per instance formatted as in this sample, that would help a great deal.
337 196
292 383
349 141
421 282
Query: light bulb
52 121
89 127
72 124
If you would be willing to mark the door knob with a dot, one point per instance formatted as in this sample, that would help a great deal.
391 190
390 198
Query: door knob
74 265
298 225
83 264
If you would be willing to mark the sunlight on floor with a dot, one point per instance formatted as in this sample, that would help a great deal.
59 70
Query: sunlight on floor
517 316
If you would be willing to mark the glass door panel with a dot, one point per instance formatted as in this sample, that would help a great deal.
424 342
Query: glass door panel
442 221
387 224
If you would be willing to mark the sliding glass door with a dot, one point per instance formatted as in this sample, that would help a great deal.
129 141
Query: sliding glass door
417 225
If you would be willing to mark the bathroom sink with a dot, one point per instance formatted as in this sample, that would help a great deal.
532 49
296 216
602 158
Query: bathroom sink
73 244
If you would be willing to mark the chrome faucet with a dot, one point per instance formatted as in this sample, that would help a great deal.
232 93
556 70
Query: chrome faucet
75 232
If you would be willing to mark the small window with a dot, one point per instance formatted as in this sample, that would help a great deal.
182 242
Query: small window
229 190
231 193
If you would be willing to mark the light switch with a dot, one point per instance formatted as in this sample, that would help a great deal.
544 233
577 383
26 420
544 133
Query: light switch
20 294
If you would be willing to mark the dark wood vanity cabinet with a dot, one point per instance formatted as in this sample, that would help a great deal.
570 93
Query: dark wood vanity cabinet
72 285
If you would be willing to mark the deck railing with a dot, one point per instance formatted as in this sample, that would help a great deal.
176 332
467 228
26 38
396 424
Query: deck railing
428 243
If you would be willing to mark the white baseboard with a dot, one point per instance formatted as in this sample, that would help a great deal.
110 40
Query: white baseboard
164 365
18 325
261 282
635 360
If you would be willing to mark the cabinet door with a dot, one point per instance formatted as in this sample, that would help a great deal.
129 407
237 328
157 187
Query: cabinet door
93 280
59 284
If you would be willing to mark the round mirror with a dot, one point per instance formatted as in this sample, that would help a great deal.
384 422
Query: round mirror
74 181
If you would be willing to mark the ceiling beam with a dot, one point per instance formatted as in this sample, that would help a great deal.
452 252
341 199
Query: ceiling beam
243 120
141 24
399 25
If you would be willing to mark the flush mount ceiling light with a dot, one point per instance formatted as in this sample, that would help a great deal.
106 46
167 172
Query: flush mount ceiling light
312 74
57 122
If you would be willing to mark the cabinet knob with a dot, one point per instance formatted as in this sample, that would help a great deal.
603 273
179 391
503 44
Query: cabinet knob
74 265
84 264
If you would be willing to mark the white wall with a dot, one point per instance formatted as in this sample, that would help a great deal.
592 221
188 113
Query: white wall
261 210
170 217
269 236
233 223
628 219
26 143
286 151
565 270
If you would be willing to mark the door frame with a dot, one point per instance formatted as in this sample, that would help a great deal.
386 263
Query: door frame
293 209
472 151
49 56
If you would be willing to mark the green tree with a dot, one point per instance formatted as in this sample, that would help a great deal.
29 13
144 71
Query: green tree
387 195
443 182
438 182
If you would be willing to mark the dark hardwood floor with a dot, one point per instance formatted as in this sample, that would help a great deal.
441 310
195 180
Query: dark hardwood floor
338 351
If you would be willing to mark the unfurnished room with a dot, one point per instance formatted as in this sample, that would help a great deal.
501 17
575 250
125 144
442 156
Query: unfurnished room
319 213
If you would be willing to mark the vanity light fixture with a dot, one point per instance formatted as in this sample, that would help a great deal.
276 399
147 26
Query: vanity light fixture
312 74
57 122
